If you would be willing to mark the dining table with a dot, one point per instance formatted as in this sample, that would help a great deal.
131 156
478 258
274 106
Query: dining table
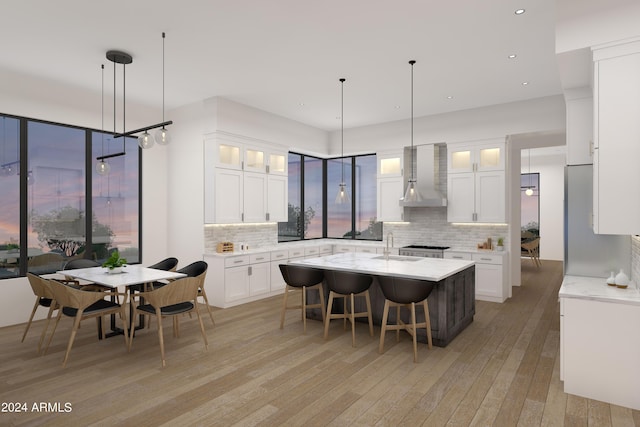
129 276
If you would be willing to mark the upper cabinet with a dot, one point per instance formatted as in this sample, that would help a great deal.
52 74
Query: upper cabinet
390 185
475 157
616 99
245 181
476 182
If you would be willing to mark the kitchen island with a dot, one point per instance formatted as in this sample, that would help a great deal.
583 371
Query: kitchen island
451 303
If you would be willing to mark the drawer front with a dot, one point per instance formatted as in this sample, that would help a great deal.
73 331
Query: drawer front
458 255
344 248
312 252
326 250
487 258
236 261
258 258
296 253
279 255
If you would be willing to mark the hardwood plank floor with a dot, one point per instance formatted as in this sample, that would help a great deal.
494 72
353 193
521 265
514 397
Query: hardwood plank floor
503 370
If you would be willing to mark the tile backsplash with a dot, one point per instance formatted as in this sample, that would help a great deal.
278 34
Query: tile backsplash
254 235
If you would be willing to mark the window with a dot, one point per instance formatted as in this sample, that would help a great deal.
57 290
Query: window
530 204
67 210
314 183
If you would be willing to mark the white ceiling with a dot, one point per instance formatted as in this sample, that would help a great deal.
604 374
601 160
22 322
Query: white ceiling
276 55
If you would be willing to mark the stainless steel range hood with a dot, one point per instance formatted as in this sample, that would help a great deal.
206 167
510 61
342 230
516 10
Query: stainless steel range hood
426 175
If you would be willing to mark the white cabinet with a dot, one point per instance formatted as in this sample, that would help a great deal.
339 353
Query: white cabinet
579 103
390 186
244 182
476 183
616 138
236 281
277 281
491 278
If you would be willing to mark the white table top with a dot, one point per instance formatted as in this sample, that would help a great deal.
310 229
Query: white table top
431 269
596 289
131 275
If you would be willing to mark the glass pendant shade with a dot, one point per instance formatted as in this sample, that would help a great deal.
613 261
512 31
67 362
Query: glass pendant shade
7 171
343 196
529 192
162 136
30 178
103 168
412 194
145 140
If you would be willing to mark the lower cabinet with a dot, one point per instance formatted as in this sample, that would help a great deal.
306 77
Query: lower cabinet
491 278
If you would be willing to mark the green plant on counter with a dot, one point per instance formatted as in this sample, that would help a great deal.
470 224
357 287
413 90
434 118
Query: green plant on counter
114 261
500 241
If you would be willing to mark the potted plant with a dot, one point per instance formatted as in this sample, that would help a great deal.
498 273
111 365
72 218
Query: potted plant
114 263
500 246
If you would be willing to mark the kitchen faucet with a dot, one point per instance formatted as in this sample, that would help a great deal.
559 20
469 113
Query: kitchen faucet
387 251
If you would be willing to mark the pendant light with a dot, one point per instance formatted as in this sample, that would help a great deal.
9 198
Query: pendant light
412 194
343 196
529 190
162 135
102 167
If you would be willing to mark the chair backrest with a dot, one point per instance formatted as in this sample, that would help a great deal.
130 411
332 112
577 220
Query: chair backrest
180 290
298 276
40 286
195 269
66 296
80 263
346 282
167 264
46 259
403 290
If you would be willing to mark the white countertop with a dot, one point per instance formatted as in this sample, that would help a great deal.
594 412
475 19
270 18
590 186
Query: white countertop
596 288
432 269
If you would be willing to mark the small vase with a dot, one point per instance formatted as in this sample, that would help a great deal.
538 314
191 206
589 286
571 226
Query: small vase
611 281
115 270
622 280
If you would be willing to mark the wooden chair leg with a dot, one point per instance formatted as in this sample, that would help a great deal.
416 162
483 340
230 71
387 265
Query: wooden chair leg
46 326
304 309
284 306
53 331
206 300
322 306
427 321
328 317
76 324
204 335
33 312
414 332
352 318
160 337
398 322
383 325
125 327
368 300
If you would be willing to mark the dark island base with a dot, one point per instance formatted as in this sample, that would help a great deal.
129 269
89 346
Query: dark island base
451 307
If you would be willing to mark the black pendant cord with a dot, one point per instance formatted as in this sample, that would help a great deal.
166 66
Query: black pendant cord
163 36
124 106
342 126
102 108
412 62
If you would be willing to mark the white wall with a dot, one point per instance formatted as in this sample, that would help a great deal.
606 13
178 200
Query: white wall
551 170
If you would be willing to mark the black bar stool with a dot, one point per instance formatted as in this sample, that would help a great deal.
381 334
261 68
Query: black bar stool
305 278
347 285
402 292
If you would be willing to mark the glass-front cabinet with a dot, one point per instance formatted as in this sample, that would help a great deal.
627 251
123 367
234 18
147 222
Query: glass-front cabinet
245 180
477 157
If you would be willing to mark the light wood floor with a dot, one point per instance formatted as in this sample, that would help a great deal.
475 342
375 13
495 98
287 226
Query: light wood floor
503 370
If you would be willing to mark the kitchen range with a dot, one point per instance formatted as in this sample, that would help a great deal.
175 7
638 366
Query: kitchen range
423 251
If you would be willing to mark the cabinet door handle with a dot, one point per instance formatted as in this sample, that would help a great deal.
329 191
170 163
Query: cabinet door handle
485 259
259 259
237 261
456 257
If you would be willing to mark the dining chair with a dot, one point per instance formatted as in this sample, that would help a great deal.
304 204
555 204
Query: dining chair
82 305
178 297
77 263
44 298
167 264
198 269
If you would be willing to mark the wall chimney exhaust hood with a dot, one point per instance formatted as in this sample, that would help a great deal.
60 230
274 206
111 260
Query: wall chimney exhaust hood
426 161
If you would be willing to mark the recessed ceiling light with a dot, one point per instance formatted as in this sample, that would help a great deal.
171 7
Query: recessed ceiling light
525 83
450 97
519 11
397 107
512 56
301 104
